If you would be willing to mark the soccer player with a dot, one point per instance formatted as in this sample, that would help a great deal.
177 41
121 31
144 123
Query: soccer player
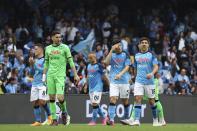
146 65
119 78
57 55
38 90
95 74
158 104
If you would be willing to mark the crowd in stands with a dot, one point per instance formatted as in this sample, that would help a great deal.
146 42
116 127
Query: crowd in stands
173 36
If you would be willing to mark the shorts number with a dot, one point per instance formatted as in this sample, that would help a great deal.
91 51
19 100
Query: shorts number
96 98
153 91
44 93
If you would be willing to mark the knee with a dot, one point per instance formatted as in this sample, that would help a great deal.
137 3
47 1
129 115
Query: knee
125 101
95 105
42 102
52 97
138 99
113 100
52 101
36 103
151 101
60 98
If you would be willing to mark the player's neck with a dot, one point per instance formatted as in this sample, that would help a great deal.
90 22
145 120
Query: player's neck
56 44
40 56
144 51
93 63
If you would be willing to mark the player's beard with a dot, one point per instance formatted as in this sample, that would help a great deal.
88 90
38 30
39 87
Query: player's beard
58 43
144 49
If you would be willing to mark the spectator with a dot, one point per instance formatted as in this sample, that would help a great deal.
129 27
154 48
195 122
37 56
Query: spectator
11 87
182 82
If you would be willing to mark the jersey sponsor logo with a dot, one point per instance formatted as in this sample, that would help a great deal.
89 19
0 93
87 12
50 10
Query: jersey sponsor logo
55 52
55 58
141 60
91 70
118 60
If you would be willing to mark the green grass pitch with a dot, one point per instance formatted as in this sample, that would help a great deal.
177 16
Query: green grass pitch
84 127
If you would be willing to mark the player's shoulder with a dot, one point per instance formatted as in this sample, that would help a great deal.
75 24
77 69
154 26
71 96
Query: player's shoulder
40 59
49 46
138 53
126 53
64 46
152 54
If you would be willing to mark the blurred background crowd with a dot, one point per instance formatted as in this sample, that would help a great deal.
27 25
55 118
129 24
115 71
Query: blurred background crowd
170 25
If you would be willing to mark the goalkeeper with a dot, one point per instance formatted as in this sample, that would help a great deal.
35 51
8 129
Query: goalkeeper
57 55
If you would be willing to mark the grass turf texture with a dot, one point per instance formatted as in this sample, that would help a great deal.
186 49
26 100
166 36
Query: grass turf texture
85 127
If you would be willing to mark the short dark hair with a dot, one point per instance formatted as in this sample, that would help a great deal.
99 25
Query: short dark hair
55 32
144 38
39 45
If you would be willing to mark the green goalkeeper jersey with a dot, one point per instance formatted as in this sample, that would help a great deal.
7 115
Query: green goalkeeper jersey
56 58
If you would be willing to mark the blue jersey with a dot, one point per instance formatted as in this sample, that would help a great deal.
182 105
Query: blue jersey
38 71
118 62
95 72
144 63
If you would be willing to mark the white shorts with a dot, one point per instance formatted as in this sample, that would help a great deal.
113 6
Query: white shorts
119 89
148 90
95 97
39 93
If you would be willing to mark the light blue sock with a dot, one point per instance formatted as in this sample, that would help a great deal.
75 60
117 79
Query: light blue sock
37 113
154 110
137 110
112 111
126 111
95 113
100 112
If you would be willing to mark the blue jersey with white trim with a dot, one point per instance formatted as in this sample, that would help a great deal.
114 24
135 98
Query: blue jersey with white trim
94 74
118 62
144 63
38 71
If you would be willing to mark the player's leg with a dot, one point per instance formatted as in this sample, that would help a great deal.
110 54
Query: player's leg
100 111
114 94
132 116
95 98
138 94
36 109
37 114
150 92
160 112
43 98
124 95
52 96
159 107
60 86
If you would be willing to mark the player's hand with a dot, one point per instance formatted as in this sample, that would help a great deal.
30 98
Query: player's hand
117 77
149 76
44 78
31 60
114 47
76 78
